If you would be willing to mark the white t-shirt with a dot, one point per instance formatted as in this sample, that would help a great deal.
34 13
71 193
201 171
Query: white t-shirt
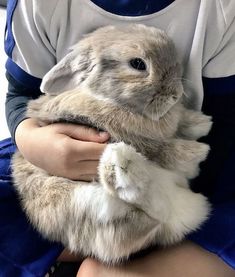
42 32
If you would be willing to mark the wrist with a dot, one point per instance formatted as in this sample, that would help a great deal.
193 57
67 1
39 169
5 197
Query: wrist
22 132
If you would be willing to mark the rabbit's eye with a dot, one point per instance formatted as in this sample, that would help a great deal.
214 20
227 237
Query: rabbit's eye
138 64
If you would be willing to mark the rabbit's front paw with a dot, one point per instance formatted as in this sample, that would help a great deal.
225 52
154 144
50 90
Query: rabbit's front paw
194 125
189 154
202 127
123 172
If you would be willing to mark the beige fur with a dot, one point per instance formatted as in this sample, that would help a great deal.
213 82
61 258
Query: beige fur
142 196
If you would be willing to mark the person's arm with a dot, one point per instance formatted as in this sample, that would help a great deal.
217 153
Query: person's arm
65 150
16 102
218 77
61 149
57 148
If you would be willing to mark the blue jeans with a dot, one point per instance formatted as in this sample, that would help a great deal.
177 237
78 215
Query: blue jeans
23 252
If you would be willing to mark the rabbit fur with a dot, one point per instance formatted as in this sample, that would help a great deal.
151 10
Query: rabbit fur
142 196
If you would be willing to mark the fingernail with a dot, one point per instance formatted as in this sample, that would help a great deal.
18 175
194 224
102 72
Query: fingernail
104 134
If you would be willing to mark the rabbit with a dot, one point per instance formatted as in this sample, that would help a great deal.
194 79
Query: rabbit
127 81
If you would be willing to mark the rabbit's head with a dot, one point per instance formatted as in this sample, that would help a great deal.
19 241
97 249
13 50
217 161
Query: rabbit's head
134 66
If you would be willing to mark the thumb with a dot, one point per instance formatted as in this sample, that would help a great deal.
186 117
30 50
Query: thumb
84 133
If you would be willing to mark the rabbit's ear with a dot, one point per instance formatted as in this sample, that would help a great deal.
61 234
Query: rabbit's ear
68 73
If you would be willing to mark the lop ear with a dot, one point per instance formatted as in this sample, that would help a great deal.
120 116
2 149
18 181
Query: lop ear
69 72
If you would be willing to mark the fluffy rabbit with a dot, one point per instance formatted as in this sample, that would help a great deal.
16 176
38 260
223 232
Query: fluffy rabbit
125 80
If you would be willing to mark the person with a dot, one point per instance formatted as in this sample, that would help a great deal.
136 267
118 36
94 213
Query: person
39 34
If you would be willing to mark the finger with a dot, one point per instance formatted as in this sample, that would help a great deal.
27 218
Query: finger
88 178
83 151
84 168
87 167
83 133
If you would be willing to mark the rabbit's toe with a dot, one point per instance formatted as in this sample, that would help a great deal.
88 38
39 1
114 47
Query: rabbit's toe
106 170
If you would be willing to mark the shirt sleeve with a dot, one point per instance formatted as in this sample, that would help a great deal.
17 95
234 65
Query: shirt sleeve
27 41
219 72
17 99
219 102
222 62
30 54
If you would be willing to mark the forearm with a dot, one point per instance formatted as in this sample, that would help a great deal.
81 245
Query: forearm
22 133
17 99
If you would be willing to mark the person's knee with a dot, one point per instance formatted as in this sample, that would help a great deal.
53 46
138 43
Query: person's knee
89 268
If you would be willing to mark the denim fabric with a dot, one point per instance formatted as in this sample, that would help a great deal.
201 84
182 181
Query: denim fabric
23 252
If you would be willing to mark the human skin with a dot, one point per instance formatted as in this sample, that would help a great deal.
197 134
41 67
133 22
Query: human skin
184 260
66 150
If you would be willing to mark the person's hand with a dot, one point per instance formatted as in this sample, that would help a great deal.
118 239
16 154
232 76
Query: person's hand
66 150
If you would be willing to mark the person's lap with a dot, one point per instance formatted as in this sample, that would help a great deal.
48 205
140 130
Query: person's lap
184 260
23 250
